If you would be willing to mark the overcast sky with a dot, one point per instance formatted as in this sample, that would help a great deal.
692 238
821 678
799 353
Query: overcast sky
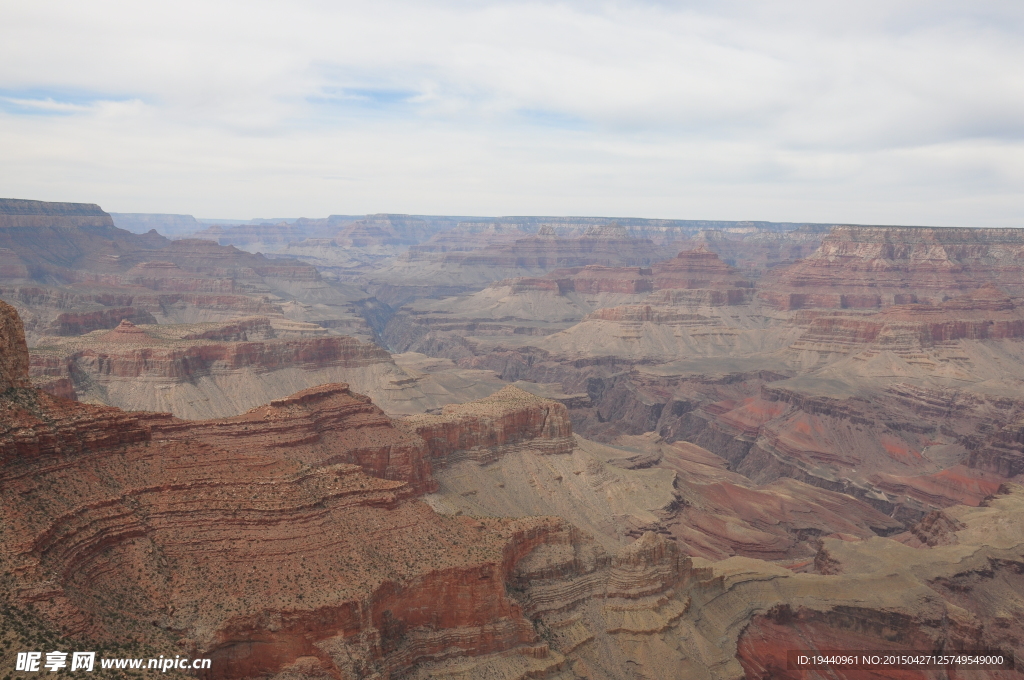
863 112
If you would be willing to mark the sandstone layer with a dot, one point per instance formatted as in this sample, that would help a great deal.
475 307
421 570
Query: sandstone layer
68 269
291 541
215 370
873 267
276 516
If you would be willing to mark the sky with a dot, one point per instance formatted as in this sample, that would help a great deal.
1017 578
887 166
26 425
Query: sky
868 112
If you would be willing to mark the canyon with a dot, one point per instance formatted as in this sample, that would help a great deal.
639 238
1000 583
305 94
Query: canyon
122 516
394 446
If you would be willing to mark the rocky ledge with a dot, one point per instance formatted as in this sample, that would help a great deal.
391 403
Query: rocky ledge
485 429
873 267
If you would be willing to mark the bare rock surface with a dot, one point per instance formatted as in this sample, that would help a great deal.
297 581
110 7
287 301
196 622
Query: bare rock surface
723 442
872 267
13 351
68 269
213 370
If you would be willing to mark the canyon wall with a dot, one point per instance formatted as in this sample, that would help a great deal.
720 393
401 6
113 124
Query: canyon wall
873 267
487 428
13 350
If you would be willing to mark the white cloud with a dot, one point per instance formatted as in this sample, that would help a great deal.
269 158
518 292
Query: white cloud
870 112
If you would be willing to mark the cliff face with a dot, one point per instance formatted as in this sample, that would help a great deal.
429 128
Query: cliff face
872 267
132 358
549 252
21 213
291 542
982 314
13 350
485 429
699 268
212 369
287 539
69 270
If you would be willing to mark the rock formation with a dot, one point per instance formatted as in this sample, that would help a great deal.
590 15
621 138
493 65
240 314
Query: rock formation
986 313
295 541
275 516
215 370
68 269
13 350
454 271
699 268
491 427
873 267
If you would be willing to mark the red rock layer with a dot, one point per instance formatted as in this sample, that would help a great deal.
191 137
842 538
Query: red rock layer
699 268
80 323
765 643
324 425
597 279
13 350
290 532
1002 453
984 314
486 428
644 313
123 353
871 267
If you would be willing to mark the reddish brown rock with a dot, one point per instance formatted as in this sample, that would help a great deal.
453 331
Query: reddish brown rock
69 270
13 350
590 280
698 268
485 429
287 533
634 314
79 323
872 267
597 279
983 314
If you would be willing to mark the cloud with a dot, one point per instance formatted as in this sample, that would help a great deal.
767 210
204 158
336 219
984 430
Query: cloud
895 112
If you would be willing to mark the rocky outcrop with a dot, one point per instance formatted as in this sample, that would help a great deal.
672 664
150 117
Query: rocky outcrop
291 542
13 350
1002 453
74 262
983 314
201 370
80 323
588 280
424 272
16 212
698 268
873 267
486 429
287 537
147 359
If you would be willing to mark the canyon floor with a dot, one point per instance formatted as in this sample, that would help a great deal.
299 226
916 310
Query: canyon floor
428 447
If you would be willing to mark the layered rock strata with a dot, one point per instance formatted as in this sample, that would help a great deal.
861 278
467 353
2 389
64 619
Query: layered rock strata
513 312
45 249
487 428
222 369
698 268
289 542
873 267
297 522
983 314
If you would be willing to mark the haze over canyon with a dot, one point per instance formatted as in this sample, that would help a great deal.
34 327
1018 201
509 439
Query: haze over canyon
455 447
